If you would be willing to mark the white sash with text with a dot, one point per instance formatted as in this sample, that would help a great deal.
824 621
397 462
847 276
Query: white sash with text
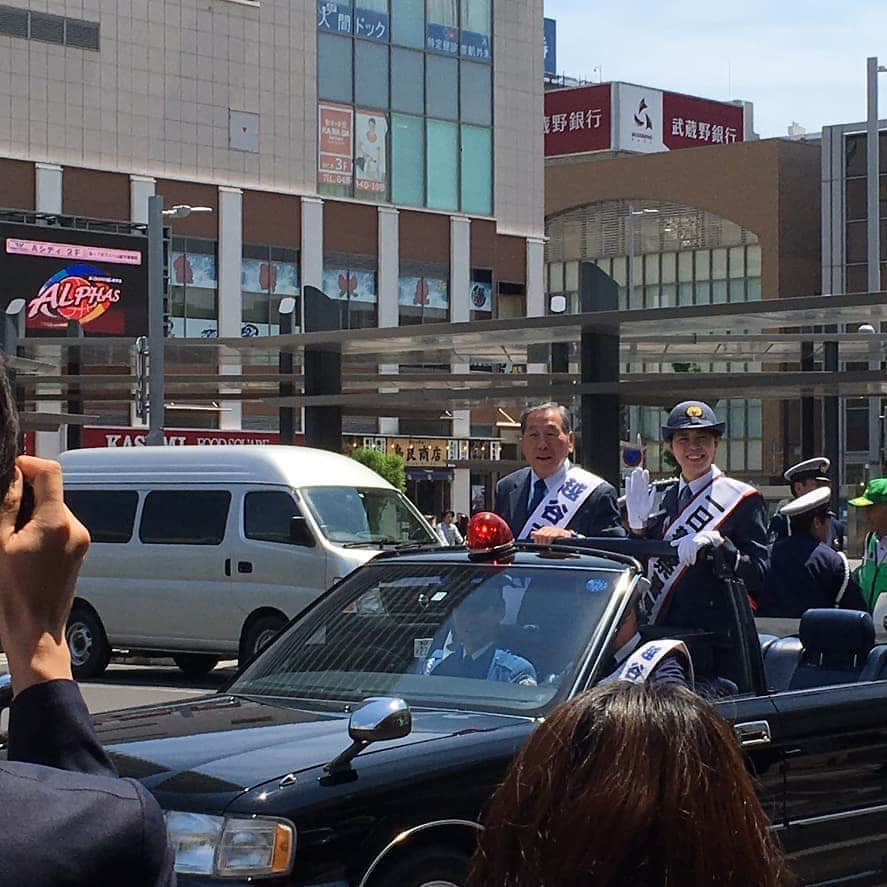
558 509
707 510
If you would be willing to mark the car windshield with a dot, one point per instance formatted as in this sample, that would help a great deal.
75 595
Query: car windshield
364 515
449 635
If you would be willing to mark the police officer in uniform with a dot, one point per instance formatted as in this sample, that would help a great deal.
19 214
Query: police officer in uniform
475 620
811 474
702 509
805 571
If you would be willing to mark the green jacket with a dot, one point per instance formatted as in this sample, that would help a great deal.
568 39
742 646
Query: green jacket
872 576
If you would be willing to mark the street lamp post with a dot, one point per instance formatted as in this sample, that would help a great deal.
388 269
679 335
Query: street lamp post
156 367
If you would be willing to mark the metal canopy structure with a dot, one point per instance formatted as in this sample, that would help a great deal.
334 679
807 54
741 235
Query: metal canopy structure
769 335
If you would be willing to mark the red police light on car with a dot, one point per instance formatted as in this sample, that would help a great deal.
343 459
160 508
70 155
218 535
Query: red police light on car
488 534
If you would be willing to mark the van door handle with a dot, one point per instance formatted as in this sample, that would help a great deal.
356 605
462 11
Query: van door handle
752 733
227 566
244 567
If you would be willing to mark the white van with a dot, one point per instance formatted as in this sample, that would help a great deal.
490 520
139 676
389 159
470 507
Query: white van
207 552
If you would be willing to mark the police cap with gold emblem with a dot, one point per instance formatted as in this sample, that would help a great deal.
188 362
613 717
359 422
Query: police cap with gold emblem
691 414
810 469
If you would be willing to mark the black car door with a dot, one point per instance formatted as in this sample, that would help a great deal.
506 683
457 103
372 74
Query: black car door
755 725
835 743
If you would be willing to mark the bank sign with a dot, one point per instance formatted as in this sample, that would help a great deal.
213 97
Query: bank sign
638 119
63 274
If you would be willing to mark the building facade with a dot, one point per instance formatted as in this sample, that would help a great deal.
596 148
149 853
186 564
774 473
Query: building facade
388 152
721 223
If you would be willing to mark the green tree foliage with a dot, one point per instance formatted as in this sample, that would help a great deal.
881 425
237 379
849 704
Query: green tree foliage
391 467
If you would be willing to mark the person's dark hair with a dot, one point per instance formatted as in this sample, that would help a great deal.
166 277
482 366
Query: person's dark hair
803 523
566 418
9 430
445 514
628 785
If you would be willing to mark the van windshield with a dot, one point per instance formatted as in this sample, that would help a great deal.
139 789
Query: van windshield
366 515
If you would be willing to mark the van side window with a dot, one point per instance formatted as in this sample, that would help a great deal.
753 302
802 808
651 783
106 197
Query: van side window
267 516
185 517
109 515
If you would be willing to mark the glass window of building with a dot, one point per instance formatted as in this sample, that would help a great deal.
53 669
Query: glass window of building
442 87
476 93
335 74
336 16
370 74
442 165
408 23
193 306
442 26
423 293
476 33
268 274
477 171
351 281
408 160
371 20
407 81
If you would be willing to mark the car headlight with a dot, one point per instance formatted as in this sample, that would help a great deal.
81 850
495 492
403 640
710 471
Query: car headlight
230 846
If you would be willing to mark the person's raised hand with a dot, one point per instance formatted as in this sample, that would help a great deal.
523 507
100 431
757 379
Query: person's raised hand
39 563
639 498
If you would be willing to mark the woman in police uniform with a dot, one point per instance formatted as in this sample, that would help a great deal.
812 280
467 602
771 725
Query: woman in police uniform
703 509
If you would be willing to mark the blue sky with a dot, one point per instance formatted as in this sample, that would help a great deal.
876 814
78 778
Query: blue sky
797 60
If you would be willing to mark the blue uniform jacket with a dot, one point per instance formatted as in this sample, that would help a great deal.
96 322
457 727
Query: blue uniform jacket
597 516
65 817
837 533
806 573
497 665
695 599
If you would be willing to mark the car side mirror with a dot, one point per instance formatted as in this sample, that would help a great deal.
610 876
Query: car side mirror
380 719
300 534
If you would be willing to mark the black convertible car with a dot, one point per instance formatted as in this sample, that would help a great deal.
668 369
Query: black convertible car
342 757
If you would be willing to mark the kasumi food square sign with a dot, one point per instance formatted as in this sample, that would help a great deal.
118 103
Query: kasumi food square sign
64 274
625 117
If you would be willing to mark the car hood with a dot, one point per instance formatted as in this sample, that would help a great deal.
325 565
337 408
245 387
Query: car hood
217 747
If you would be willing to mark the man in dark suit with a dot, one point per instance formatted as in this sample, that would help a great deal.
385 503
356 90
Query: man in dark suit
552 499
65 817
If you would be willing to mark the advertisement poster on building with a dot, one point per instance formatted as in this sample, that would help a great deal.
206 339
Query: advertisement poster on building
424 292
371 158
549 46
639 112
335 137
280 278
63 274
102 436
355 286
480 296
577 120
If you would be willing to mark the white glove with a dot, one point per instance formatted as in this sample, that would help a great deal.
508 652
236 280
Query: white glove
689 546
639 497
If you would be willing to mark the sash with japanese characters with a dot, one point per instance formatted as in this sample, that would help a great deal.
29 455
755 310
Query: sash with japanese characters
707 510
558 509
638 668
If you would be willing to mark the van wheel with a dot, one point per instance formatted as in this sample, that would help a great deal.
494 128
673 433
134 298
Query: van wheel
90 651
435 867
195 665
258 634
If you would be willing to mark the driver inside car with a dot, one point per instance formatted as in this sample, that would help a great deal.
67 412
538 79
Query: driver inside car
475 620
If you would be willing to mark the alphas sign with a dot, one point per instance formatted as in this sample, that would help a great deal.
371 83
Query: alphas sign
99 279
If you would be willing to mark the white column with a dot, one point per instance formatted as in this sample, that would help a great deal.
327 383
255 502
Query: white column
230 298
460 282
460 267
388 287
535 287
48 199
140 189
312 242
